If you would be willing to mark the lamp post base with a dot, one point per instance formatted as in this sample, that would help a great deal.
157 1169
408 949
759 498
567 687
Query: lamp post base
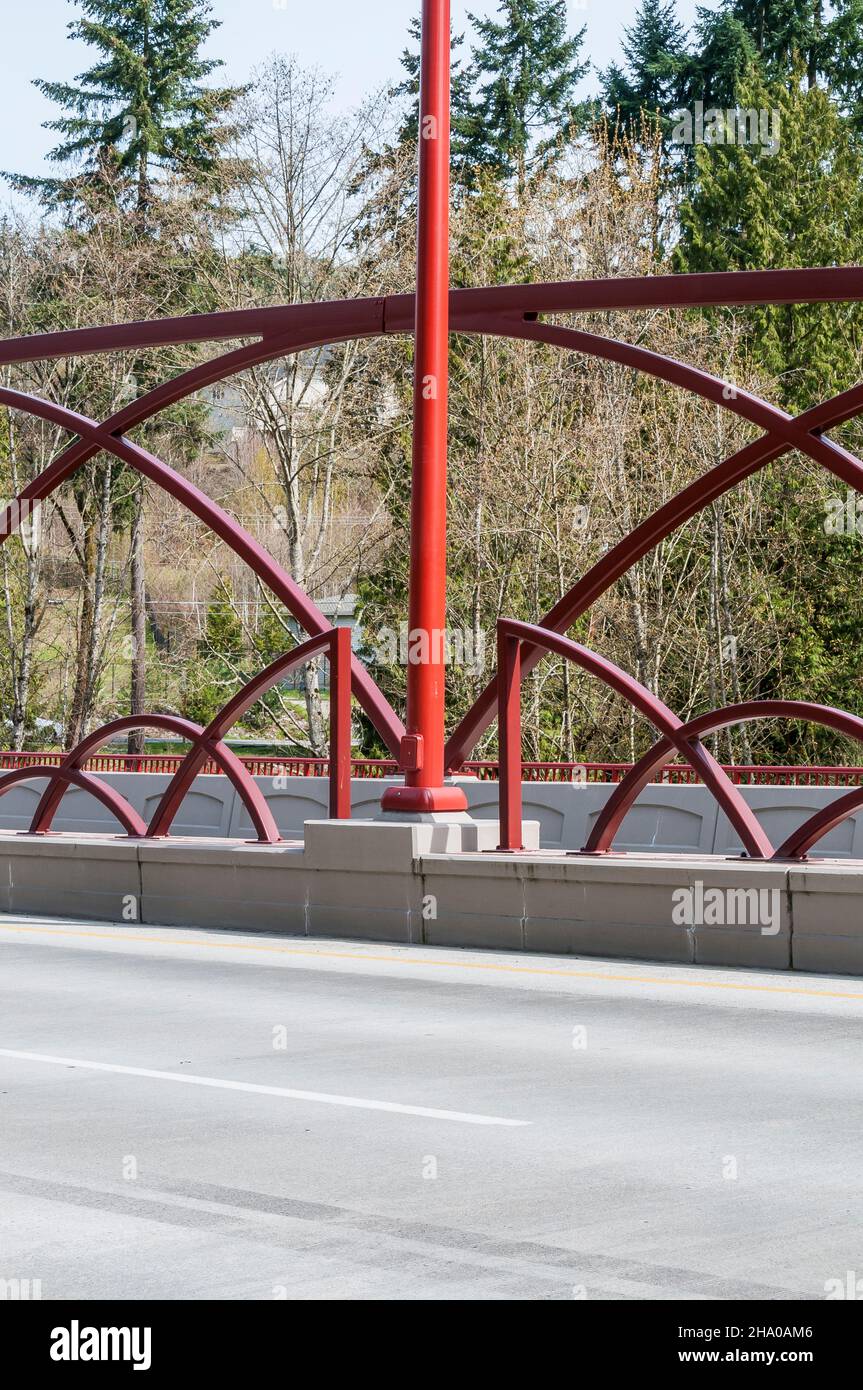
423 800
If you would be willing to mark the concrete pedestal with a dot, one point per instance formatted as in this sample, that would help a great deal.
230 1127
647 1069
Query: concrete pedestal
366 871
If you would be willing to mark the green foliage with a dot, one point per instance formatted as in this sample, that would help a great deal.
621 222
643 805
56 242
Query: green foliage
526 70
274 636
798 207
513 104
825 38
227 657
651 84
219 670
724 57
143 106
781 41
463 131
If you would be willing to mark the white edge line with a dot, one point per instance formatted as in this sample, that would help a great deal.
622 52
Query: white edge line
318 1097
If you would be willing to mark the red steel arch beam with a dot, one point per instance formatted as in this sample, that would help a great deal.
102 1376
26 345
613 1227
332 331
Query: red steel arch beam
64 777
625 792
339 320
667 518
144 408
207 511
830 284
674 732
800 841
218 728
309 324
360 318
778 424
246 787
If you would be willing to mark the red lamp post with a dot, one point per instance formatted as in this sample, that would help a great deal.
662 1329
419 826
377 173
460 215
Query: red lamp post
422 751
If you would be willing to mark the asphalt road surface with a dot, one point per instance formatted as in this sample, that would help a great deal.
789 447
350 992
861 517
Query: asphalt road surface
191 1114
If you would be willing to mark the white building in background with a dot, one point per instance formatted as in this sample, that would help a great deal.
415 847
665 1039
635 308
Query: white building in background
341 612
234 416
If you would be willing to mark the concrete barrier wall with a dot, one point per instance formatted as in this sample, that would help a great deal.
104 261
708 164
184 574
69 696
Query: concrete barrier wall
667 819
402 883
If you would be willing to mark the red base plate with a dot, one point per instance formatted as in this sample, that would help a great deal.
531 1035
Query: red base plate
423 800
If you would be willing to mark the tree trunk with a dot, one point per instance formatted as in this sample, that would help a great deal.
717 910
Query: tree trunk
314 708
94 554
75 721
25 670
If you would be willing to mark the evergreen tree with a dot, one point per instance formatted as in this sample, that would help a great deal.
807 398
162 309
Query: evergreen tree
461 114
526 70
846 61
143 105
651 84
726 54
219 670
799 206
785 32
813 41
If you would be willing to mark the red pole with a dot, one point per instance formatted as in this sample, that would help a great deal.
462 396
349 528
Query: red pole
509 739
340 725
422 751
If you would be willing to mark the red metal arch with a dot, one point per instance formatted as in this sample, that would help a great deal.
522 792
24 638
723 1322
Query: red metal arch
242 702
264 566
778 424
800 841
784 433
511 636
65 777
218 752
342 320
508 311
626 791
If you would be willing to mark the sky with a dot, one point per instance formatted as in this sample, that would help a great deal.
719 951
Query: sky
358 40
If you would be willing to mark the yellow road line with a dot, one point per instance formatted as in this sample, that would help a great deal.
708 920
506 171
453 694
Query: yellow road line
409 959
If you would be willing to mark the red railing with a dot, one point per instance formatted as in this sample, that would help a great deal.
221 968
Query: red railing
741 774
524 313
